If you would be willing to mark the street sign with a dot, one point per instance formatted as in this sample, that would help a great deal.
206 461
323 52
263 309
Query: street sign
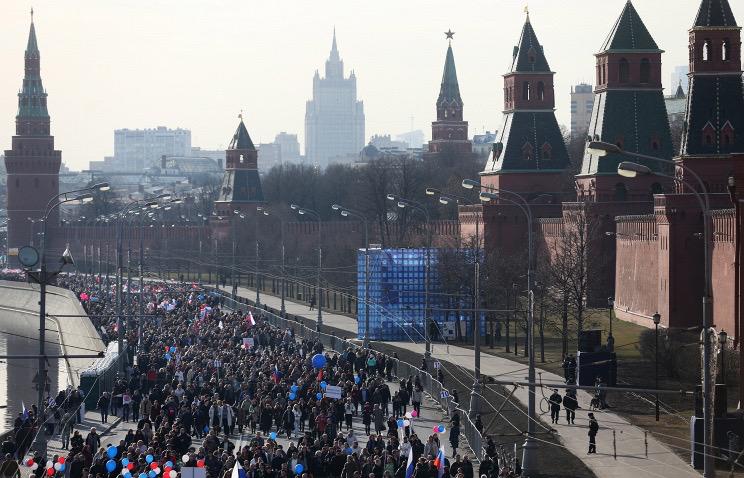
437 365
444 394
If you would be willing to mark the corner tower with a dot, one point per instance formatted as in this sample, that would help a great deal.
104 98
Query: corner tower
32 164
449 133
714 120
529 154
629 111
241 185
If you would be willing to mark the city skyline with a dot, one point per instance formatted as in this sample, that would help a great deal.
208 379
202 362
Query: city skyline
201 86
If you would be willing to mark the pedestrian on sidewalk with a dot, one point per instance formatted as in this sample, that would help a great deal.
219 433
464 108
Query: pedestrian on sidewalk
555 406
93 440
67 426
103 405
312 303
570 404
593 429
454 438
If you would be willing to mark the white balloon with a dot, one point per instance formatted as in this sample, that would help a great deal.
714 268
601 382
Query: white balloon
157 471
185 458
408 414
49 464
35 466
406 423
57 466
173 474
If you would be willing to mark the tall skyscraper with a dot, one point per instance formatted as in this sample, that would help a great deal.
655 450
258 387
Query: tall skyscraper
582 103
32 163
334 119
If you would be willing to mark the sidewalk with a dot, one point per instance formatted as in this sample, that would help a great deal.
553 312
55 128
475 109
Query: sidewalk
630 440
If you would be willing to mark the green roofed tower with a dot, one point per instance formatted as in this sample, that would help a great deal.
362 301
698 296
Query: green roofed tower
241 186
629 111
529 154
449 133
713 138
32 163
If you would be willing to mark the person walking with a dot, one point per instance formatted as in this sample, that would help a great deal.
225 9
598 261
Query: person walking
555 406
454 438
103 404
593 429
570 404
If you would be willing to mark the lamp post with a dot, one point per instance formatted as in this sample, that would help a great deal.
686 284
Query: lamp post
631 170
529 450
403 203
476 391
309 212
43 277
610 338
259 212
657 320
350 212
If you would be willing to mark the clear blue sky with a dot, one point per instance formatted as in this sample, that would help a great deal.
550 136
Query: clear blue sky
195 64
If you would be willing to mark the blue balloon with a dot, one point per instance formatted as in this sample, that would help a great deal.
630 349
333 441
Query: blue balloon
110 466
61 467
173 349
127 475
169 464
152 474
142 475
319 396
299 468
319 361
149 458
292 396
206 428
272 435
294 388
112 451
323 385
167 356
400 422
349 451
357 379
124 461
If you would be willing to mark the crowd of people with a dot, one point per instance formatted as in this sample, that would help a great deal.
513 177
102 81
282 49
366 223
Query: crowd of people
210 387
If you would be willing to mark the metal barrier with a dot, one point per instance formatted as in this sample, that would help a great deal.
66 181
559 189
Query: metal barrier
431 386
101 375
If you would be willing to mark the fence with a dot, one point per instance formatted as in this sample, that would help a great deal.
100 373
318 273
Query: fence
401 368
100 376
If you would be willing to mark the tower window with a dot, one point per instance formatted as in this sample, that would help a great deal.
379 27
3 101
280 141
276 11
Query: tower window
526 93
527 152
725 50
546 152
645 71
624 70
707 50
241 159
541 91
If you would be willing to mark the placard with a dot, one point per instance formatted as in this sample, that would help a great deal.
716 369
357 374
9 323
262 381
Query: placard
333 391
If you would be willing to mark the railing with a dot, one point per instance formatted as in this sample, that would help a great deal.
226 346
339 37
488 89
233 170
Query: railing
101 375
431 386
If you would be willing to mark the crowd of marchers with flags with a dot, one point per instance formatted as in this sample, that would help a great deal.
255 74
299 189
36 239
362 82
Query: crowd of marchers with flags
205 380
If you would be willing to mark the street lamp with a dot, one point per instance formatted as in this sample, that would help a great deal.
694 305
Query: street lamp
403 203
631 170
309 212
529 450
476 391
610 338
657 320
344 211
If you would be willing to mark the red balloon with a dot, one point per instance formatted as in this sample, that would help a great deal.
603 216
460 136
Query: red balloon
153 465
61 460
30 462
166 470
200 463
50 471
130 466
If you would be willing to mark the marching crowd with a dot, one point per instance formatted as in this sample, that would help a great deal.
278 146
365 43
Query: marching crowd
206 380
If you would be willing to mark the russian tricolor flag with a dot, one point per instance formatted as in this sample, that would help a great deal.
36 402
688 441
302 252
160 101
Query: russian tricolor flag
237 471
410 465
439 461
249 319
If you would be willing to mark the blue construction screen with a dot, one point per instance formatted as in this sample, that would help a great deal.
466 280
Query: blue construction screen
397 296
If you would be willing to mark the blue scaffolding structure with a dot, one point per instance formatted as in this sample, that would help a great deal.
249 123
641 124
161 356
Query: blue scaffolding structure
396 294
